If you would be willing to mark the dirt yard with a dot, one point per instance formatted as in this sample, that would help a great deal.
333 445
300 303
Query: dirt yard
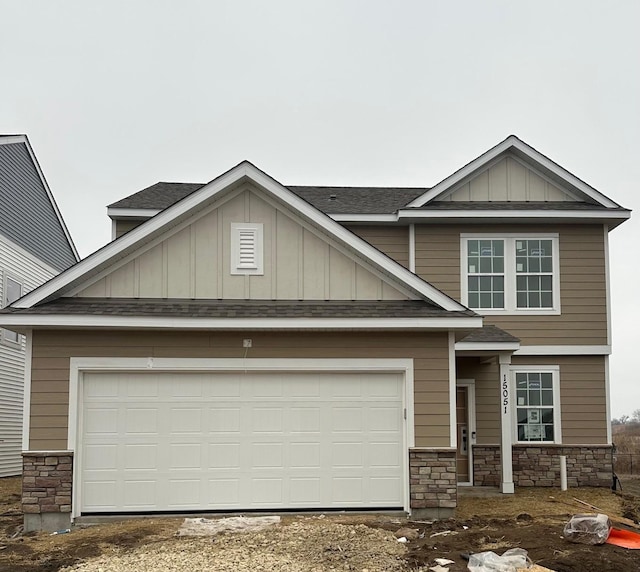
531 519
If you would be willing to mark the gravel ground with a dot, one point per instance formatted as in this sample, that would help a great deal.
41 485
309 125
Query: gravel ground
305 545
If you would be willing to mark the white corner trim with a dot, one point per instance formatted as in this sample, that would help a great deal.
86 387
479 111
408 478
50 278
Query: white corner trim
563 350
512 142
607 282
453 433
230 179
607 389
163 323
26 403
412 248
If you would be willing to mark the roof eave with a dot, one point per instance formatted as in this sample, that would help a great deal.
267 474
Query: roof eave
24 322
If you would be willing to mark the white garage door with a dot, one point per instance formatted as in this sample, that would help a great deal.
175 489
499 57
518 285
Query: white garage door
234 441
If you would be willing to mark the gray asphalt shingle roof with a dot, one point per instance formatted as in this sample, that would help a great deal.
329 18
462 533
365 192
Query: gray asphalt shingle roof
239 308
488 334
349 200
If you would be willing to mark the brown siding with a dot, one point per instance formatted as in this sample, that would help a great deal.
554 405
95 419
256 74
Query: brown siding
52 350
392 240
582 396
582 280
124 226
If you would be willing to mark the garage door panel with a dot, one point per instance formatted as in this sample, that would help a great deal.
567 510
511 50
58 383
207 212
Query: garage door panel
228 441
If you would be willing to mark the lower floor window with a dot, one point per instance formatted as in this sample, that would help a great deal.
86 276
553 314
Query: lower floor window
536 404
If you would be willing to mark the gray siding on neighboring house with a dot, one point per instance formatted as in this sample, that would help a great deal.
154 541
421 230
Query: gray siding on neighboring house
30 273
27 216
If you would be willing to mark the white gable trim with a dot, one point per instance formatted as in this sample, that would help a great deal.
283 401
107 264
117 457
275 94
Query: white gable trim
230 179
24 139
511 142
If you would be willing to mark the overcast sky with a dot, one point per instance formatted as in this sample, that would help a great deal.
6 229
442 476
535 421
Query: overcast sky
116 95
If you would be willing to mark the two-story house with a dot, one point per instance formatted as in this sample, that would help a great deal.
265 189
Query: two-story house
243 345
34 246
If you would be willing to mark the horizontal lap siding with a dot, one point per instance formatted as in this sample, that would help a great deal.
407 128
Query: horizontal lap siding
487 398
583 318
582 396
52 351
392 240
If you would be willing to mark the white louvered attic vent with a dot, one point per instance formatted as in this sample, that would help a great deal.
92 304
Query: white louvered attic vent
246 248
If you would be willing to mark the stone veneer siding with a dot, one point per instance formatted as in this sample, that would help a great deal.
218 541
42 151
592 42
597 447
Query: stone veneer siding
46 489
539 465
433 482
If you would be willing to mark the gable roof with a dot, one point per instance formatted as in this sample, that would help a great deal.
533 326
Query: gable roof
216 189
411 204
517 147
29 215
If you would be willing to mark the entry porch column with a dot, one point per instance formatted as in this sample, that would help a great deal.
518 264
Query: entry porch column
506 424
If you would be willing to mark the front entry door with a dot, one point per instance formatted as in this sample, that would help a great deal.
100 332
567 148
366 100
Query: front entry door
465 427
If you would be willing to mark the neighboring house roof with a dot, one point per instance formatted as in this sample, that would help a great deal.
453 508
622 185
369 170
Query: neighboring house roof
29 215
207 194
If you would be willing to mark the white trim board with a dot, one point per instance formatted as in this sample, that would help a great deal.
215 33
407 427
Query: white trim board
563 350
526 152
226 183
165 323
105 364
26 404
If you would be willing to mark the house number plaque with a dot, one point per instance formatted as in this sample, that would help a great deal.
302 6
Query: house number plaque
505 393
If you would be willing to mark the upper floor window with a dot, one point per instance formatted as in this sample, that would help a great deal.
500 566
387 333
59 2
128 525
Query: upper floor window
511 274
247 248
12 291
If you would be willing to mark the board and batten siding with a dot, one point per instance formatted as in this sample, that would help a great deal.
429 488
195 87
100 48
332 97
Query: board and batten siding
195 262
583 318
508 180
24 268
392 240
582 396
52 351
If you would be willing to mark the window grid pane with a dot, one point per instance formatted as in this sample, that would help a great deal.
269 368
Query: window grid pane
485 268
534 411
534 270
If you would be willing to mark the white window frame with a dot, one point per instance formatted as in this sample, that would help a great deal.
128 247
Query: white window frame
238 267
554 370
510 273
8 335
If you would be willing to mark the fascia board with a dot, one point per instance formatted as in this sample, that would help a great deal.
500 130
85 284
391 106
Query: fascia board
512 142
393 268
132 213
25 321
515 214
488 346
364 217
